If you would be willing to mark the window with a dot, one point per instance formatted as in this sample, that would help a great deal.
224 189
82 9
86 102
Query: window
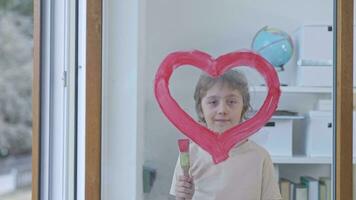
16 38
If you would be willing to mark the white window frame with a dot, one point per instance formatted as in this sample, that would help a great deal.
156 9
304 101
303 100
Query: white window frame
81 102
57 140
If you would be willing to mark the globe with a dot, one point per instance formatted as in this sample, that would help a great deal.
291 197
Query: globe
274 45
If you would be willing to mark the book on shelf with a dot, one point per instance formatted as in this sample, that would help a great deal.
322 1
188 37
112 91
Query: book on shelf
325 182
287 189
313 187
323 195
276 172
284 187
301 192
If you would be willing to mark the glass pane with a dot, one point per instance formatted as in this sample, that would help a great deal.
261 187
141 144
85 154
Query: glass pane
16 22
292 149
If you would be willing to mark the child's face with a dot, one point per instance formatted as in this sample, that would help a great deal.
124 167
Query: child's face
222 107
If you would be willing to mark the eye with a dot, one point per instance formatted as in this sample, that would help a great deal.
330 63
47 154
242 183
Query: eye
231 102
212 102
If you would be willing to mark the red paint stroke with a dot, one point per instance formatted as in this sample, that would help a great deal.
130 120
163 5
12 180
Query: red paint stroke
183 145
218 145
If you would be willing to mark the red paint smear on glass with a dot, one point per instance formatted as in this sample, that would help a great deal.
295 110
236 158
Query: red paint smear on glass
218 145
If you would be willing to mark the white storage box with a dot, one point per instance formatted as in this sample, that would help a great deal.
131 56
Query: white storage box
318 76
276 137
324 105
315 45
319 134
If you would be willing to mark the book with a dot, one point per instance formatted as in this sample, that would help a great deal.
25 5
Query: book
287 189
313 187
323 193
291 190
300 192
327 182
276 172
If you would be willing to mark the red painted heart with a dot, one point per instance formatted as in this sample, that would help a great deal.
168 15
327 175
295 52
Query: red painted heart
218 145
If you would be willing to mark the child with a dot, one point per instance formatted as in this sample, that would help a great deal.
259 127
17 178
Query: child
248 173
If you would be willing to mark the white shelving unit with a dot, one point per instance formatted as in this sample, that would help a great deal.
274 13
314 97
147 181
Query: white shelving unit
300 100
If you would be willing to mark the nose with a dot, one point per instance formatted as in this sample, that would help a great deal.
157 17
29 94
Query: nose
222 109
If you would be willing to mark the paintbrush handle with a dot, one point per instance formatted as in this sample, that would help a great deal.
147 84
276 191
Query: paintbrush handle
185 171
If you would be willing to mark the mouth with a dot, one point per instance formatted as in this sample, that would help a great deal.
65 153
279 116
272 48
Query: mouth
222 120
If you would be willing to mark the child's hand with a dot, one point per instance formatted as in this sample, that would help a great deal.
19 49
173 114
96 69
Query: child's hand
184 188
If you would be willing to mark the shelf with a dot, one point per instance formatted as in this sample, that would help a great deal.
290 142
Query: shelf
301 160
297 89
287 117
294 89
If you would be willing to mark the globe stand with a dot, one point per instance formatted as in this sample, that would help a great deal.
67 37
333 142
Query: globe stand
279 68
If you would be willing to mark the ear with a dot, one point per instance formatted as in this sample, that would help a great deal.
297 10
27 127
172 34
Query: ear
201 116
201 112
243 112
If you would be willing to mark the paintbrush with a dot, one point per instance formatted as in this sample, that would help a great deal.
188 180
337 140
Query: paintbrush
184 156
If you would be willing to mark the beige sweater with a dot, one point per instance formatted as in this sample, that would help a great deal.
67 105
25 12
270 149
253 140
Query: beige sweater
246 175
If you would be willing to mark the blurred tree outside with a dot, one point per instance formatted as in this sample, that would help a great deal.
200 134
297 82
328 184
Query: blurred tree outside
16 43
